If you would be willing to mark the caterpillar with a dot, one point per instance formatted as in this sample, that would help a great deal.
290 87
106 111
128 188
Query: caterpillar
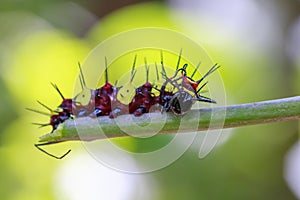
176 94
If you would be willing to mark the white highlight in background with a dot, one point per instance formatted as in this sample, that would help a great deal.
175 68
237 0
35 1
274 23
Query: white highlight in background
82 177
292 169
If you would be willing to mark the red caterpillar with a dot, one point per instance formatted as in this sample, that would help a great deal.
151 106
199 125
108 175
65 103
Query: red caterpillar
112 101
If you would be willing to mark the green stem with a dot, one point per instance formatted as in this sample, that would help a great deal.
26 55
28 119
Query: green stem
206 118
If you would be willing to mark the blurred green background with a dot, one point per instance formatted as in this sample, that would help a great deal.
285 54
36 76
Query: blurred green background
257 43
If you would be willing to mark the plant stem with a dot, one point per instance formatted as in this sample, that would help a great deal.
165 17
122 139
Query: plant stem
206 118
